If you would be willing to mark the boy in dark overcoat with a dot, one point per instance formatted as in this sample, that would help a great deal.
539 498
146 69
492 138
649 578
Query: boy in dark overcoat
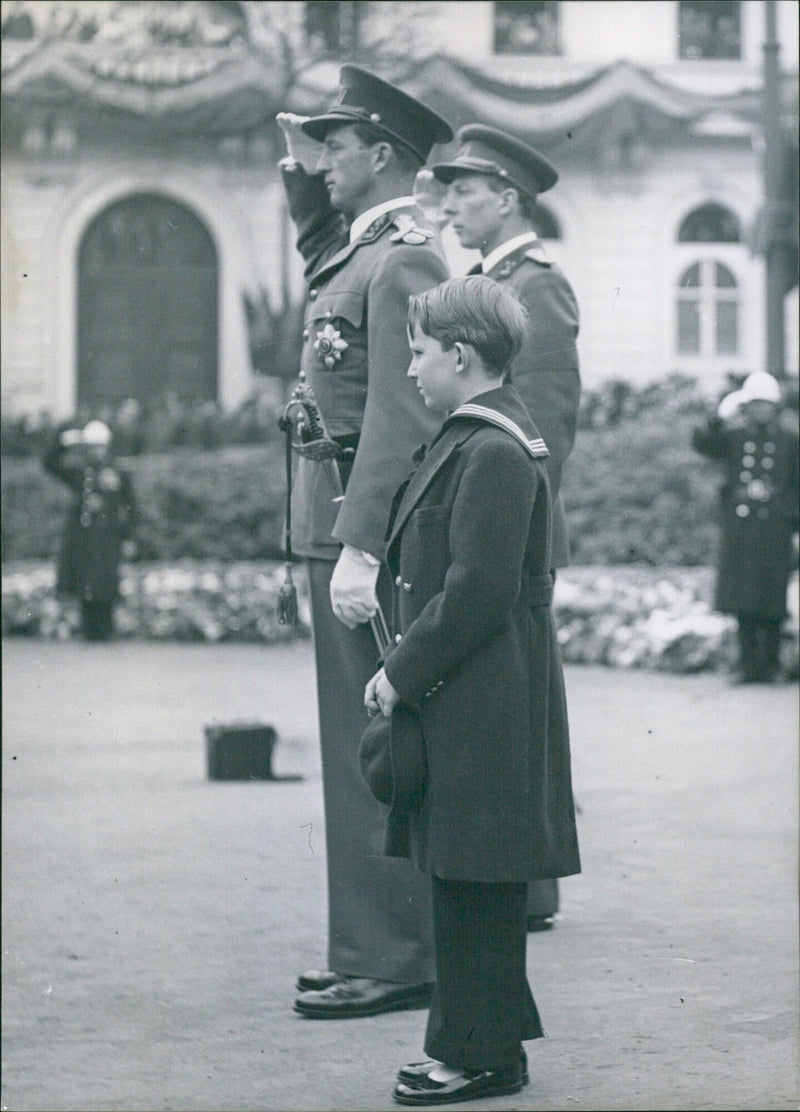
492 187
99 519
477 653
758 514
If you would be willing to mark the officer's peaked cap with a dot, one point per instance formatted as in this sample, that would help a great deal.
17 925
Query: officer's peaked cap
366 98
485 150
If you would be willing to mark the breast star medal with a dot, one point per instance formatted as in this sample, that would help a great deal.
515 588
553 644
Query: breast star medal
329 345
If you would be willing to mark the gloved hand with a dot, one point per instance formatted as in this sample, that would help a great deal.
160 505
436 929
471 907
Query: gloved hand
299 146
729 405
352 589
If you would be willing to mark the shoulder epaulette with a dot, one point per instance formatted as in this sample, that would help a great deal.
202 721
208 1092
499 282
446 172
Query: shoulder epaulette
409 231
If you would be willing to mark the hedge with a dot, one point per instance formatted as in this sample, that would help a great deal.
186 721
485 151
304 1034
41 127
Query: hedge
634 493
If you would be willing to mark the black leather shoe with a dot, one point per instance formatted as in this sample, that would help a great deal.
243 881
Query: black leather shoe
354 997
469 1086
315 980
411 1073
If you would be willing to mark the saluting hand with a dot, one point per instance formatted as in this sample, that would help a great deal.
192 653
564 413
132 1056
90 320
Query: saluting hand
299 146
379 695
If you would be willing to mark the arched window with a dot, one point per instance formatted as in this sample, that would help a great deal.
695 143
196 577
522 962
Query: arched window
545 223
708 310
711 223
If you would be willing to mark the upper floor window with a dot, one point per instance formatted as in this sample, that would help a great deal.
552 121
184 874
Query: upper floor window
333 26
526 27
709 29
711 223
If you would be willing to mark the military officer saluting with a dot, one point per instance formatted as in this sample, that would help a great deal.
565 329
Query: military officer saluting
367 247
759 509
492 185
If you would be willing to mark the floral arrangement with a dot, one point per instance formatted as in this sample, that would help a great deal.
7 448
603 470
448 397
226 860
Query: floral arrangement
624 617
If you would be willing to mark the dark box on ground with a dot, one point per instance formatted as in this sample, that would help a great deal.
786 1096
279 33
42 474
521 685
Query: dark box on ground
240 751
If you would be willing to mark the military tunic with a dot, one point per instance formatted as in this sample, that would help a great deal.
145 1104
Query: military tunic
355 357
545 372
101 515
758 512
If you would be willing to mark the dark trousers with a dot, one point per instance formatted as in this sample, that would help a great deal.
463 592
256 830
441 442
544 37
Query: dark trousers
759 646
379 908
482 1008
97 620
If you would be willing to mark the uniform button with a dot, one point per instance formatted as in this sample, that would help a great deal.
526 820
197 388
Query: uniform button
767 462
329 313
305 333
745 476
398 582
408 587
742 510
398 637
748 461
749 446
769 446
313 294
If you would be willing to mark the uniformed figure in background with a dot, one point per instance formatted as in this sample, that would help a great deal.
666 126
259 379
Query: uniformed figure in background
367 247
759 515
492 186
98 522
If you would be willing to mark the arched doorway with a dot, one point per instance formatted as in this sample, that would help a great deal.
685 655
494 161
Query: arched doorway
147 305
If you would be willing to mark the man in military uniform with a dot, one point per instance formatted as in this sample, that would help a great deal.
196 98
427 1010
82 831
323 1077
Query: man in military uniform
492 185
367 247
100 518
759 509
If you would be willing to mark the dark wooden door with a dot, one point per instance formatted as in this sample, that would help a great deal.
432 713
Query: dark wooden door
147 305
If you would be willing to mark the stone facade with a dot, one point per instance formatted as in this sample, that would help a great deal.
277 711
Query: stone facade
640 146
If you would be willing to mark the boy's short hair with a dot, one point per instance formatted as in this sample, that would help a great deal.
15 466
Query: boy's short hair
474 310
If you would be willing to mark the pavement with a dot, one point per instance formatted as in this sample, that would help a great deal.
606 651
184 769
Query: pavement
154 921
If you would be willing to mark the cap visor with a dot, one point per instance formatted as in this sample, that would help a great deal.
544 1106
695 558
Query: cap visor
319 126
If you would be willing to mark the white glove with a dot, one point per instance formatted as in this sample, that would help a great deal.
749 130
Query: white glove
729 405
353 582
300 147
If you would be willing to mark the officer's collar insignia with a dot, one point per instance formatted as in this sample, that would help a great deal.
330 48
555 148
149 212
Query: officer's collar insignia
375 228
536 447
534 251
409 231
329 346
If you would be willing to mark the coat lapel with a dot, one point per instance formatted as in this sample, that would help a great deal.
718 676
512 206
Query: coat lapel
422 478
378 227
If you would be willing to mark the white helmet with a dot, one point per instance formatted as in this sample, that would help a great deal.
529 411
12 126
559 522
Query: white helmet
760 387
96 432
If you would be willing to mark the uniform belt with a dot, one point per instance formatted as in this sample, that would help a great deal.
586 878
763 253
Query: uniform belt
540 590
